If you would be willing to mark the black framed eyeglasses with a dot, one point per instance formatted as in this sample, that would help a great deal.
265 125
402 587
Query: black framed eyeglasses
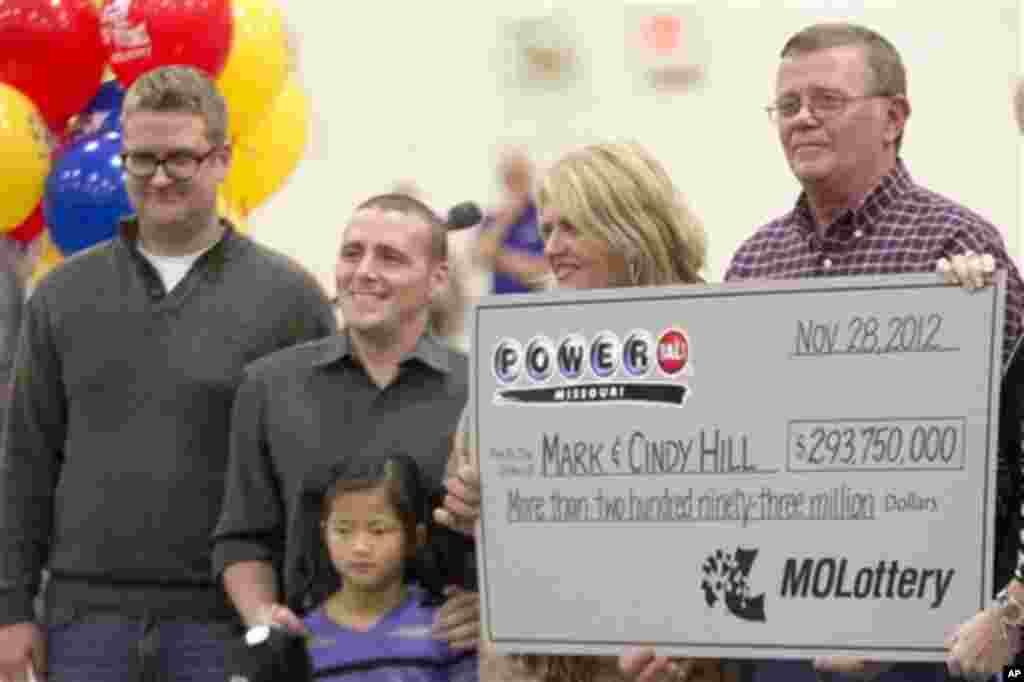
180 166
823 104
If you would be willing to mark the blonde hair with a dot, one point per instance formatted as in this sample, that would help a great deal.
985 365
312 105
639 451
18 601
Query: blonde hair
619 194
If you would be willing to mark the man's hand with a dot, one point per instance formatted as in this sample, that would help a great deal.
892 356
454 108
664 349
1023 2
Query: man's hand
641 664
281 615
971 270
461 508
850 665
981 645
458 620
22 645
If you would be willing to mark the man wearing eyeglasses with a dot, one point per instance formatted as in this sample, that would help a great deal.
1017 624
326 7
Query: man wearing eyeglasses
841 110
130 355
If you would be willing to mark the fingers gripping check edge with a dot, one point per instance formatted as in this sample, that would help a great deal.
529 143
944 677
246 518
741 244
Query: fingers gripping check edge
460 508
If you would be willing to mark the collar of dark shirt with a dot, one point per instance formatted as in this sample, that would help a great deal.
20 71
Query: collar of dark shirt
429 350
886 193
226 248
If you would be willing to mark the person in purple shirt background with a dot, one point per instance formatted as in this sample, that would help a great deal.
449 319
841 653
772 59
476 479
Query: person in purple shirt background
371 578
509 243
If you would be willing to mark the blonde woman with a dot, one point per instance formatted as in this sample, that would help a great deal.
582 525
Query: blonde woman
610 217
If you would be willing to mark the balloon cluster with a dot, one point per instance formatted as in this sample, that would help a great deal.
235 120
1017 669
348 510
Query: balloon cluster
65 66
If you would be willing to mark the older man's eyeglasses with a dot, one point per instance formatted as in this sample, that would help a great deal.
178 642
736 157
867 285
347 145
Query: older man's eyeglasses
823 104
179 165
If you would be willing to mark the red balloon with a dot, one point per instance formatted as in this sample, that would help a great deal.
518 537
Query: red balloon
144 34
51 51
31 228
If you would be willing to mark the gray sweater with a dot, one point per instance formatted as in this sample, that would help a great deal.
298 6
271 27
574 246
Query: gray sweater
12 303
113 469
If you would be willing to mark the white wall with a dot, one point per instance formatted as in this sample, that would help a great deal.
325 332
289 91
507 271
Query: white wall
408 89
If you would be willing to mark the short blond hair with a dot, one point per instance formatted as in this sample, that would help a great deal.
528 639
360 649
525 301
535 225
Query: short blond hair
180 90
619 194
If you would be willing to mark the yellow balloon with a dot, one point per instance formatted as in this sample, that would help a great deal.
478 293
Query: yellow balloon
257 64
25 159
265 157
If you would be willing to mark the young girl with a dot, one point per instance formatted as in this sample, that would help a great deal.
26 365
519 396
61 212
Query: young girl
372 577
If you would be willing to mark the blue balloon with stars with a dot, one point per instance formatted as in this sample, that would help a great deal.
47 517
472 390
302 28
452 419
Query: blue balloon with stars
85 197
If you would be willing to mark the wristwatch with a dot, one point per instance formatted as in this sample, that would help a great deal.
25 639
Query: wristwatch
257 634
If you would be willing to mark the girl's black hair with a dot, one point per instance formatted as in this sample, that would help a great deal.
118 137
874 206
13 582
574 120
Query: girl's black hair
310 577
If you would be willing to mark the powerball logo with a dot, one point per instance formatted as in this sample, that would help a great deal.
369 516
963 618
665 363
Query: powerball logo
639 368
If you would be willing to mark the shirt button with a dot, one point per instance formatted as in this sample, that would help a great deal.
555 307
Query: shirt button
858 233
827 263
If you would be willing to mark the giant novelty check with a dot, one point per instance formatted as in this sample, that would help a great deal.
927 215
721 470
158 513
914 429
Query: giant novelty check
775 470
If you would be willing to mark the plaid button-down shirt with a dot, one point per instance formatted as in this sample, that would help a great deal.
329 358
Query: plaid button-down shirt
900 227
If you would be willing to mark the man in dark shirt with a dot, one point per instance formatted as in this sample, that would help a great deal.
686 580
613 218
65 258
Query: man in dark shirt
300 409
130 355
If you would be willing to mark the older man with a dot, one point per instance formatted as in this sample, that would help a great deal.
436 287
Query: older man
840 110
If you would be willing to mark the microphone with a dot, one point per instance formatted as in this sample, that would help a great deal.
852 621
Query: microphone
270 653
466 214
